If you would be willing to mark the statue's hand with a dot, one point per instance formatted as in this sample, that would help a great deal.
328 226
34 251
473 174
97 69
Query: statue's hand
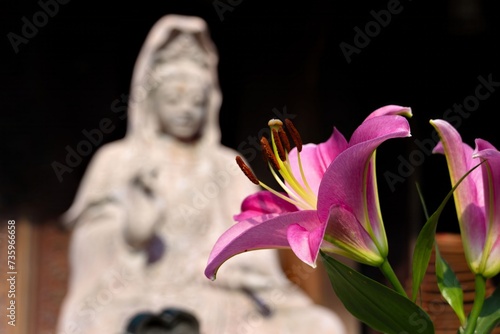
143 207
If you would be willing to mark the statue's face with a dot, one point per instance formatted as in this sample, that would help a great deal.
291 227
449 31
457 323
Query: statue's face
181 105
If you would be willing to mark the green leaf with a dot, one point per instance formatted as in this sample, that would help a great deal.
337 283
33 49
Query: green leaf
449 286
425 241
424 207
378 306
490 314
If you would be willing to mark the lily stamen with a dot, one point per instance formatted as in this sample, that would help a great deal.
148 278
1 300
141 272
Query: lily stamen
279 145
275 163
294 134
302 174
284 139
307 192
251 176
286 170
268 153
246 170
276 155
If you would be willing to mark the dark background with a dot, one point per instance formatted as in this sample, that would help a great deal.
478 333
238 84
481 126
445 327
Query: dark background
273 55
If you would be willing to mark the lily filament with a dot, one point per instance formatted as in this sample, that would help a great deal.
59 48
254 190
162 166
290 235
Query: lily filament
276 154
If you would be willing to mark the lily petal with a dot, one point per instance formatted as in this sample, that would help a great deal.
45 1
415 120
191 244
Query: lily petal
468 202
391 110
373 208
345 231
491 181
344 180
268 231
492 267
315 159
390 126
261 203
489 186
305 243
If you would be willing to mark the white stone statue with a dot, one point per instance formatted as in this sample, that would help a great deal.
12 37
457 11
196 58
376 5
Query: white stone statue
151 206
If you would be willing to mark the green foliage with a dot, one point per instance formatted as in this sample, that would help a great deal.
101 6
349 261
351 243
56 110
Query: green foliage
378 306
490 313
425 241
449 286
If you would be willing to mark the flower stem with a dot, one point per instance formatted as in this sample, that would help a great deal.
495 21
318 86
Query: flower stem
386 269
480 294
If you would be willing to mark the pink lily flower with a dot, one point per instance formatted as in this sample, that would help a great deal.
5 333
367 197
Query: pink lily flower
477 198
330 199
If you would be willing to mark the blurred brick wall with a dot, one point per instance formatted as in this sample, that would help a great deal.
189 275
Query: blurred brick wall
42 273
52 261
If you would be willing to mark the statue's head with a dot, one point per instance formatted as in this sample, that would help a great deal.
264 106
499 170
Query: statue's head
180 98
175 89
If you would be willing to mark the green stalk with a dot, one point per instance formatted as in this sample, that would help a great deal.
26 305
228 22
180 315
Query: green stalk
386 269
478 304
